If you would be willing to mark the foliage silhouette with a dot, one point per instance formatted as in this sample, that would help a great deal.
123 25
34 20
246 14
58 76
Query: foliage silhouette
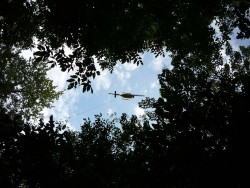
24 85
114 31
195 137
196 134
201 108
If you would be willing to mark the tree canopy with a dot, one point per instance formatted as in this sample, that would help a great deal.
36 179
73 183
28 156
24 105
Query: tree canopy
193 135
114 31
204 109
24 85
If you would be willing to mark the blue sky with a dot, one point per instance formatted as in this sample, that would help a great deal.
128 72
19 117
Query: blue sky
74 105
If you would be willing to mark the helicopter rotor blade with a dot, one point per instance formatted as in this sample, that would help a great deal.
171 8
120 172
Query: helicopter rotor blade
139 95
115 94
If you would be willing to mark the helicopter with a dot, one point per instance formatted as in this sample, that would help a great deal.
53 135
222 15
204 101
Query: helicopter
125 95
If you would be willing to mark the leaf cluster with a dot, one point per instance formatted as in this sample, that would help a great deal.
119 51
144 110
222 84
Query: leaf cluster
24 85
115 31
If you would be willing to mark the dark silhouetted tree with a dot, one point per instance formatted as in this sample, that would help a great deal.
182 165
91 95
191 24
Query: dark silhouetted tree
24 85
204 109
113 31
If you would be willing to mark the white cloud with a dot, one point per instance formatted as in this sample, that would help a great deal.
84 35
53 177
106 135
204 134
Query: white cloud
216 28
130 66
59 78
102 81
123 76
110 112
154 84
123 73
27 54
145 91
66 102
225 57
67 50
62 107
157 63
138 111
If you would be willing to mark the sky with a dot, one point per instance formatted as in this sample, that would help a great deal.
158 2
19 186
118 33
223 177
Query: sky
74 105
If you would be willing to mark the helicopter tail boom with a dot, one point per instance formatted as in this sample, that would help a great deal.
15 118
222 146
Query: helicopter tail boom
113 94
